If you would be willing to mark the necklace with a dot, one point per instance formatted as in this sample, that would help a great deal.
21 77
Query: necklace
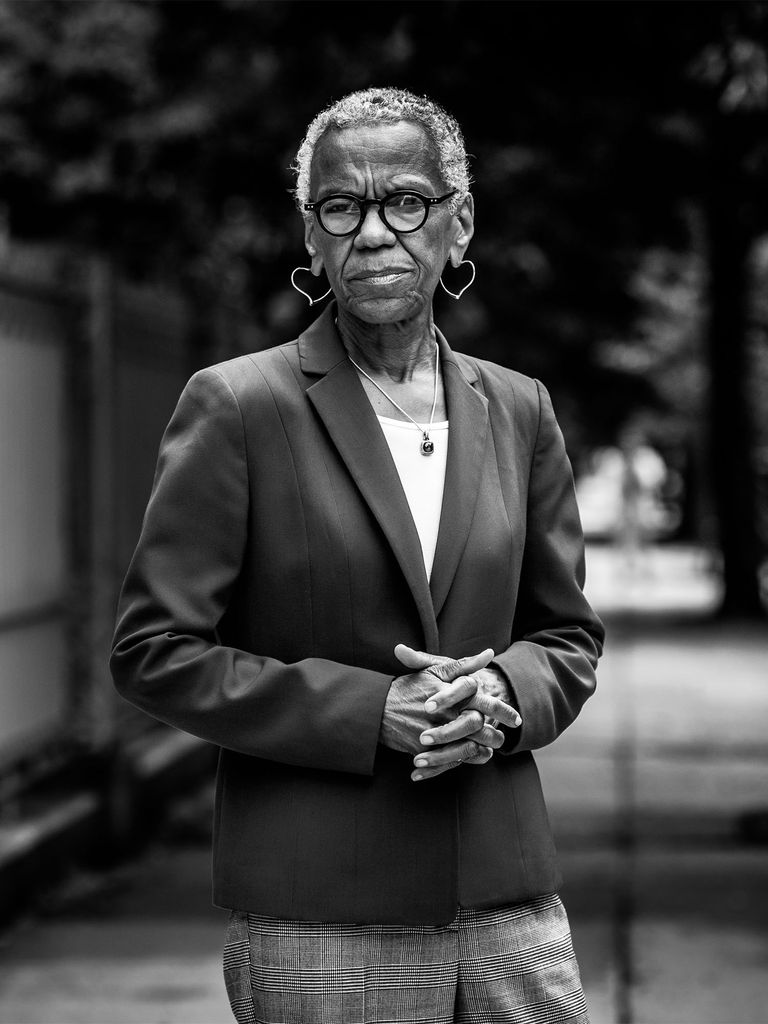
427 444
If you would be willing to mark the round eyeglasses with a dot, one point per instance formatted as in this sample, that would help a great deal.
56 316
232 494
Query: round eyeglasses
401 211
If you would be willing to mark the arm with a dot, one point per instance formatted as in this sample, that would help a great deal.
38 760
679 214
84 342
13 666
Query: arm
550 666
166 659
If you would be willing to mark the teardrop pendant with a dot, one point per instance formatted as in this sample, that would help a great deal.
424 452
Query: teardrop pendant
427 446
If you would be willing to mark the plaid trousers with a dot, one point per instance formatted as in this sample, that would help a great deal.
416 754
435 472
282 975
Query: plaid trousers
512 964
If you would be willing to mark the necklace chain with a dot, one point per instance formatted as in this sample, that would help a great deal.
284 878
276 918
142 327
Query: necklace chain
427 444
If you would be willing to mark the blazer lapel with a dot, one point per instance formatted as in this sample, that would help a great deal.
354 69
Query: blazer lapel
341 403
468 429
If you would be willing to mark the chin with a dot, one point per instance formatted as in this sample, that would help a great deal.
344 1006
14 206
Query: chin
386 309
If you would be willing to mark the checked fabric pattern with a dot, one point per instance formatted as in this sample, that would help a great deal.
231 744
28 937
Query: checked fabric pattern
515 964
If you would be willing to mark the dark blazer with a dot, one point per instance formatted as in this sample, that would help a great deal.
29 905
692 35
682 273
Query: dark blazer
278 566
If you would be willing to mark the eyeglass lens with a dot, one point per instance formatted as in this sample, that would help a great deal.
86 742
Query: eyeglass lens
341 215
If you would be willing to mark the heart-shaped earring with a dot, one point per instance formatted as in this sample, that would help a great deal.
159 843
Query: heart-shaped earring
301 291
455 295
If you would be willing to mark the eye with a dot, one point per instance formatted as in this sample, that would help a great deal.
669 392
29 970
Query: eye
340 206
405 201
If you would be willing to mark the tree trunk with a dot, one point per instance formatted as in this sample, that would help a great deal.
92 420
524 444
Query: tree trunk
732 434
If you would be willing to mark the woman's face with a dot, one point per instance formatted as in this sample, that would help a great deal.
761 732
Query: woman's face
378 275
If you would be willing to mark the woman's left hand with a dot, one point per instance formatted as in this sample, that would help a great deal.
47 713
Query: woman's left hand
471 734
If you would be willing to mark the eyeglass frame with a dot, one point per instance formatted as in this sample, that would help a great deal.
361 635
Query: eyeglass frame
363 204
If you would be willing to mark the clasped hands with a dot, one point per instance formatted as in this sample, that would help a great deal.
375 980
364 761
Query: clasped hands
446 712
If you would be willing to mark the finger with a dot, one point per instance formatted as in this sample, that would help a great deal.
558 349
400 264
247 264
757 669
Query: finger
450 669
427 766
466 751
416 660
487 735
463 688
494 708
490 736
421 774
464 725
447 669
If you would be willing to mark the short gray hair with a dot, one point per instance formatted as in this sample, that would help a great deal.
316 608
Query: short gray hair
389 106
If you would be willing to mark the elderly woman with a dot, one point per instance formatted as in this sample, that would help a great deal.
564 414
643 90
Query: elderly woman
360 576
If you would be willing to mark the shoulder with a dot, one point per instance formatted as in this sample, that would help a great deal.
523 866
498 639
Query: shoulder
247 375
500 384
269 362
518 406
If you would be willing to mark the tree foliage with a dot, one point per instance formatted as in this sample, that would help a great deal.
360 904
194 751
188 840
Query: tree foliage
612 144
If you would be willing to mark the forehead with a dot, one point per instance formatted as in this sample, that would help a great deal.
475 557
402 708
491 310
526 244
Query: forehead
397 155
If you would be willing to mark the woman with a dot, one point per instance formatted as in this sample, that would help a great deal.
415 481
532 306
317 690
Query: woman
360 575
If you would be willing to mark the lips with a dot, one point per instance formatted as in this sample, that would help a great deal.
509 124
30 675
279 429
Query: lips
381 275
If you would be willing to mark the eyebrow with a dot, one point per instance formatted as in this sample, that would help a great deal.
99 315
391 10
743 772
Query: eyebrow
423 185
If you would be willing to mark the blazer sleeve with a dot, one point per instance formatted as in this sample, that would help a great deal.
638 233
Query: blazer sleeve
558 638
166 659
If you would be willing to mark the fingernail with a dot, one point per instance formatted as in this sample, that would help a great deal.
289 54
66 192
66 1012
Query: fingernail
427 739
421 762
518 721
430 706
417 777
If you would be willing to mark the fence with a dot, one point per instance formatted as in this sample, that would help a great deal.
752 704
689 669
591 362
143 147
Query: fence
90 369
35 506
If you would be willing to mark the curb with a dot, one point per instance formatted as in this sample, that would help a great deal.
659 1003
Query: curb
120 801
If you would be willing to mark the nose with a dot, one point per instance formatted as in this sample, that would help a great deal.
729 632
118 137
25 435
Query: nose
373 232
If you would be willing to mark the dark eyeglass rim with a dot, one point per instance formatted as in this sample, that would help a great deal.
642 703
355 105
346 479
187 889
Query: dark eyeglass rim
363 204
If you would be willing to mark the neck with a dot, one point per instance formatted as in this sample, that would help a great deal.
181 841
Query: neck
397 350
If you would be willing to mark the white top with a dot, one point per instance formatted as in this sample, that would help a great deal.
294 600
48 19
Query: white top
422 476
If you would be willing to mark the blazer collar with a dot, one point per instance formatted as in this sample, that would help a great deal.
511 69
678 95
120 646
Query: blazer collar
467 433
340 401
320 347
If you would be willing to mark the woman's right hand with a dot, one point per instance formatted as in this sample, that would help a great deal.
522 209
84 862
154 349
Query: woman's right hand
444 690
469 736
405 718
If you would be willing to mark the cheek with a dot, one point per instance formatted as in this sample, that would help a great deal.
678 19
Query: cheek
430 251
334 255
431 261
331 266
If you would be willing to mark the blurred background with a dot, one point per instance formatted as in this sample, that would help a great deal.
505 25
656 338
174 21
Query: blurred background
620 158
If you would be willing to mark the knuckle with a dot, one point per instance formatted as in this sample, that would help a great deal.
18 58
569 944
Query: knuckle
444 670
473 719
483 703
493 737
458 673
477 753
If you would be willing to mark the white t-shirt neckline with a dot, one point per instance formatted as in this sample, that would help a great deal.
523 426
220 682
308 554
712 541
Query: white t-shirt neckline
422 476
442 425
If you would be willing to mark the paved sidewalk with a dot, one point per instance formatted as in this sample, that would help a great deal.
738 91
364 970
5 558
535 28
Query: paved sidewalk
668 904
138 945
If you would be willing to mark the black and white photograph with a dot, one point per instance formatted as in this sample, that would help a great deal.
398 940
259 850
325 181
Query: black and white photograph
383 512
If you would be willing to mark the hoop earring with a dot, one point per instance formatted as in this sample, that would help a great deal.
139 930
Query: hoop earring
310 300
467 285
